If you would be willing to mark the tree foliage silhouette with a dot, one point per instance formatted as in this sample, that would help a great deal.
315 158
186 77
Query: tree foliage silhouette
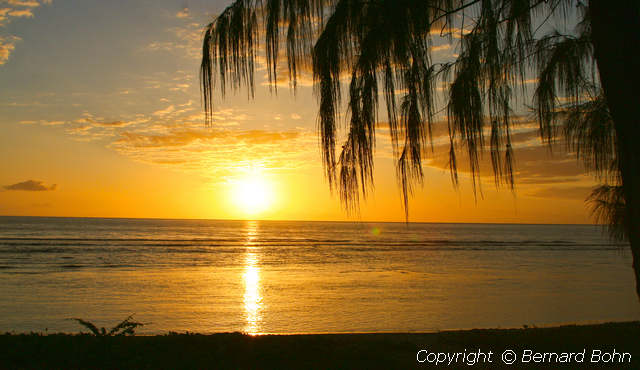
586 88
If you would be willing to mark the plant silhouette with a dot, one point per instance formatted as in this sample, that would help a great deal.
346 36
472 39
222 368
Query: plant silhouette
126 327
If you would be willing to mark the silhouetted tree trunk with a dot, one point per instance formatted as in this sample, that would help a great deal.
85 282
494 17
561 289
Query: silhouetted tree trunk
616 39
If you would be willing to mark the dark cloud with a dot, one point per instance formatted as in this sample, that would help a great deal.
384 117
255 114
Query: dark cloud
30 185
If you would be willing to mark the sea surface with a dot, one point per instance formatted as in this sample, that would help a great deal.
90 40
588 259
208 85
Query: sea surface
307 277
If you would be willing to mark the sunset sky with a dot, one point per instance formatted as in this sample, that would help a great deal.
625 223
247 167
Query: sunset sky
100 116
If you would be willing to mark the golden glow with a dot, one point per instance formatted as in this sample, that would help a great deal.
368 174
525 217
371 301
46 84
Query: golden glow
253 193
252 289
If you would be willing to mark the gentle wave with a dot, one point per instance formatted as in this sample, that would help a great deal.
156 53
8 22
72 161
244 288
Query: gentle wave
351 247
151 242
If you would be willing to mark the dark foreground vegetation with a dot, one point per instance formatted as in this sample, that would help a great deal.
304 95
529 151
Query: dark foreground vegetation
235 350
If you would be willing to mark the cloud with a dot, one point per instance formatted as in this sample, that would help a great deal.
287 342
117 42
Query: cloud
7 45
89 127
179 80
304 70
21 13
214 152
3 13
164 112
563 192
540 170
441 47
43 122
454 32
265 137
185 39
30 185
534 164
183 13
113 124
87 122
177 138
25 3
161 46
16 9
97 122
184 137
53 123
180 87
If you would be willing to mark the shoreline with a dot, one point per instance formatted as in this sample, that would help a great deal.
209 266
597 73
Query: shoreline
367 350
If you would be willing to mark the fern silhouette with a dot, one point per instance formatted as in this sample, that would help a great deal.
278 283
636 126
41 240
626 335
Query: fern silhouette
126 327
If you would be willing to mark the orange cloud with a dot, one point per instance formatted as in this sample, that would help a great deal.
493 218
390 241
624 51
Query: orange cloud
21 13
164 112
532 165
25 3
7 45
184 13
185 137
563 192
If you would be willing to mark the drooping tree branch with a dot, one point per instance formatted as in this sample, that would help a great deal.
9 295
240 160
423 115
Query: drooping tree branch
384 46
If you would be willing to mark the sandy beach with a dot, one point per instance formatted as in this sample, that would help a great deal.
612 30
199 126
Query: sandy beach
610 345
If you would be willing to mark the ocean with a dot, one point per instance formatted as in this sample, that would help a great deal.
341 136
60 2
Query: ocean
307 277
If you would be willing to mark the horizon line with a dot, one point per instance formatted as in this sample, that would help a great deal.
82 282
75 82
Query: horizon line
334 221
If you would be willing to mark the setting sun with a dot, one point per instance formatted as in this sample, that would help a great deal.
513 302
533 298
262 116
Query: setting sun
252 194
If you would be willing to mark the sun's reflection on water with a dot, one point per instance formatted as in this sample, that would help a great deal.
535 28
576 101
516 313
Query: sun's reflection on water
251 276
